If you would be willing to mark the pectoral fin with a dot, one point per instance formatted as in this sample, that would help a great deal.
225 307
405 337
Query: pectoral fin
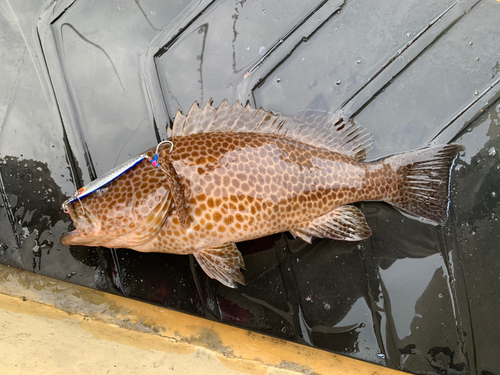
346 223
175 186
222 263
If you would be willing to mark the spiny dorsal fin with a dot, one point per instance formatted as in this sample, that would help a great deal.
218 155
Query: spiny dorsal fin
222 263
346 223
320 129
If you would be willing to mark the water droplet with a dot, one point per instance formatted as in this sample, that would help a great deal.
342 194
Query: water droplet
338 82
381 355
471 43
477 58
408 35
440 295
262 50
492 151
153 13
278 80
326 306
476 93
493 194
358 62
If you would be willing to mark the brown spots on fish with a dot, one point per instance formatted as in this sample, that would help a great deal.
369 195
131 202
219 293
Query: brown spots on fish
216 188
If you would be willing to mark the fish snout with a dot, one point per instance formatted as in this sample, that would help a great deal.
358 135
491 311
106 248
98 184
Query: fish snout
85 227
70 238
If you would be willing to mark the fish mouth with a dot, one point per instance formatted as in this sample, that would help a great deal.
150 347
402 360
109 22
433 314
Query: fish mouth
71 238
83 224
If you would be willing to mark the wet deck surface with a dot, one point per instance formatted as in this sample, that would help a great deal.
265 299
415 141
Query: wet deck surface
89 84
54 327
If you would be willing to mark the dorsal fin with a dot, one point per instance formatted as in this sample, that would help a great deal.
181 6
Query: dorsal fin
317 128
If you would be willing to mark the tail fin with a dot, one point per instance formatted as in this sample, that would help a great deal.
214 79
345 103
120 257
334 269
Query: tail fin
424 177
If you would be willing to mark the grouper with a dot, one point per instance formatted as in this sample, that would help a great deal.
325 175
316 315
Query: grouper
236 173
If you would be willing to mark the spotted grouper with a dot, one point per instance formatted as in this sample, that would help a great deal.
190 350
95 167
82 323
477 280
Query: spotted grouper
232 174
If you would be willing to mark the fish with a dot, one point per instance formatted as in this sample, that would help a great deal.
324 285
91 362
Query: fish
236 173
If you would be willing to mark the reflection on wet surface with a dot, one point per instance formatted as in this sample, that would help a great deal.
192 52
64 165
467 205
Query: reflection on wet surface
414 297
31 224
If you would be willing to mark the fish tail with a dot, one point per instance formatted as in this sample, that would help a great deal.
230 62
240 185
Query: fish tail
423 182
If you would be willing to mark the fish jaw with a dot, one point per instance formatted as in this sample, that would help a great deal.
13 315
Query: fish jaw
74 238
70 238
86 232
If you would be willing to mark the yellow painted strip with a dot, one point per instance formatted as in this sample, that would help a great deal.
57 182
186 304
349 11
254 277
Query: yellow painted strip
101 314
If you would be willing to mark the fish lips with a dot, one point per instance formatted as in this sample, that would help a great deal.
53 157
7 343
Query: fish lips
76 238
71 238
84 228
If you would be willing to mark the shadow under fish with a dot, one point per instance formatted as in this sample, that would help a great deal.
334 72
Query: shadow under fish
231 174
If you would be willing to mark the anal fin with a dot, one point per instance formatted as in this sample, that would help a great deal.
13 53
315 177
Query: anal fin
297 233
346 223
175 186
222 263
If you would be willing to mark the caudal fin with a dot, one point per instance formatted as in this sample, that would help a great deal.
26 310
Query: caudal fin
424 179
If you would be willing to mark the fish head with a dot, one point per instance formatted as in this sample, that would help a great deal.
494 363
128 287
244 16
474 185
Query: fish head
126 212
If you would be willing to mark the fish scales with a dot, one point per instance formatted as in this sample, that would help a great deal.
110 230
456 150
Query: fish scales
236 173
244 186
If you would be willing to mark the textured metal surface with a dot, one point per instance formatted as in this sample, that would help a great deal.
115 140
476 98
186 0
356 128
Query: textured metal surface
89 84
